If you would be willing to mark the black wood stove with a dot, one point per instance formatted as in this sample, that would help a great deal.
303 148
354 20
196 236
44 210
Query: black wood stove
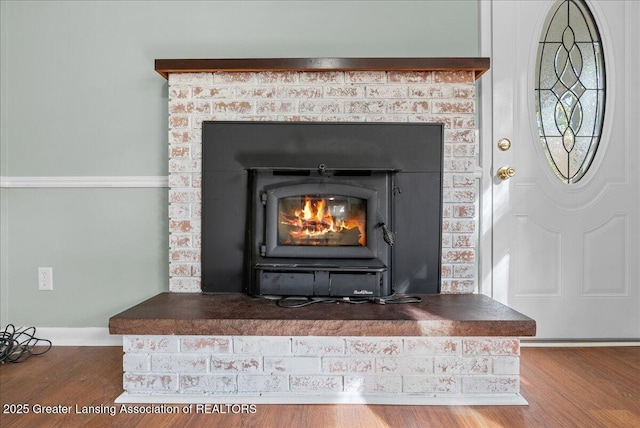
321 209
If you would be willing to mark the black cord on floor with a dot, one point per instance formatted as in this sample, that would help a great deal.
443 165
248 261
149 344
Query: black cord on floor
398 300
299 302
16 345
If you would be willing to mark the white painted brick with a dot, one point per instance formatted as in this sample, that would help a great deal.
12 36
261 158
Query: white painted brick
298 365
457 286
255 92
373 384
206 344
464 180
185 285
184 165
336 365
196 153
196 269
491 346
179 93
209 92
433 346
179 269
462 150
431 384
176 363
301 92
139 344
236 78
229 108
196 214
299 118
506 365
405 365
374 346
460 135
350 91
321 107
318 346
260 383
490 384
364 107
190 79
315 383
179 211
410 76
263 345
207 384
179 122
275 107
365 76
150 382
189 107
476 365
409 107
179 180
464 271
448 365
235 364
430 91
136 363
271 77
344 118
321 77
386 118
386 91
465 255
458 365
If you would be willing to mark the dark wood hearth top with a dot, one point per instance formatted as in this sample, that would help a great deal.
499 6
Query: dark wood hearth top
243 315
476 64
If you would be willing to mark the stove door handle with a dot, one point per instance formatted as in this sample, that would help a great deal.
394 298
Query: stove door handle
387 235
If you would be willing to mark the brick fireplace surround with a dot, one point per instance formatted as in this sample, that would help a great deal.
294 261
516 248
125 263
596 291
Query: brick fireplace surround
453 348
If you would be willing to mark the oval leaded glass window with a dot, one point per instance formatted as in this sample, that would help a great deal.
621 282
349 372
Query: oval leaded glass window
570 89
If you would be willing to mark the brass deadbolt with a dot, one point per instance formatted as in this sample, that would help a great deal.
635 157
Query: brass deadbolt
504 144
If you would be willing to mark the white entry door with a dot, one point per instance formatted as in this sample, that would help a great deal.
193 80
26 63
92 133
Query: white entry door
566 255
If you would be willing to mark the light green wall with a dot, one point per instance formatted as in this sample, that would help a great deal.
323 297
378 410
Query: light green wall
80 98
107 247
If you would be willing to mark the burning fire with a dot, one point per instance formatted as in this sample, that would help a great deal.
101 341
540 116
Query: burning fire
314 220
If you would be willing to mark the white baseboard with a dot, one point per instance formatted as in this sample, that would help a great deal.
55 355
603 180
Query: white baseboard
577 344
85 336
99 336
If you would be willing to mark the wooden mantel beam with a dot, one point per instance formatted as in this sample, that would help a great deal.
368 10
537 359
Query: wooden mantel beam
475 64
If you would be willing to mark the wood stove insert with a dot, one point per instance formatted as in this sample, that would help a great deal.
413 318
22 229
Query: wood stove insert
321 232
321 209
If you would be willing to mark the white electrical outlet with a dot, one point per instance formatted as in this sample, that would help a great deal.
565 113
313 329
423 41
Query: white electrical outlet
45 278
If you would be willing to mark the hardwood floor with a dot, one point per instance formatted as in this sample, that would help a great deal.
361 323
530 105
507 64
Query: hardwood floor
565 387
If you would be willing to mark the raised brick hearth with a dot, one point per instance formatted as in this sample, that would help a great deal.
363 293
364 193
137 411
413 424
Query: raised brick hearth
235 348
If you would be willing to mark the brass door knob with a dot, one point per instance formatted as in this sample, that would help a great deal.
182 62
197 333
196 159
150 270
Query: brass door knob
504 144
506 172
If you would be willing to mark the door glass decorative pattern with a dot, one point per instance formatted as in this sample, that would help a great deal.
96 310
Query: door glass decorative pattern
570 89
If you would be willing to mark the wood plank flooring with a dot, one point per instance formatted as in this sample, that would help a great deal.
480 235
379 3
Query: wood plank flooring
565 387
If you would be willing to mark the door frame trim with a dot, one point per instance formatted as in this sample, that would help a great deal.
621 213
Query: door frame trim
485 157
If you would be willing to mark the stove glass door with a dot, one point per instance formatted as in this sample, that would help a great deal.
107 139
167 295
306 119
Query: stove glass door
322 220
